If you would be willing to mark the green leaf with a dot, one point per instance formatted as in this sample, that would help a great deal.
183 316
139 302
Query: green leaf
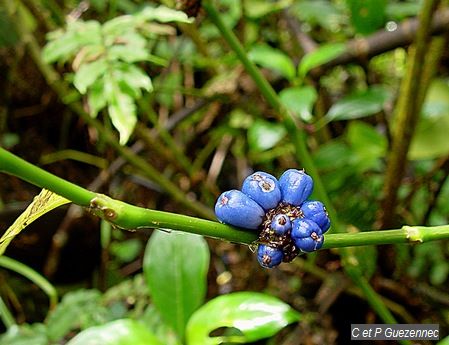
400 10
359 104
366 141
163 14
430 138
88 73
322 12
35 334
78 309
126 251
119 332
264 135
122 112
367 15
63 45
439 272
259 8
299 100
320 56
273 59
119 25
255 315
175 267
152 319
131 79
96 97
132 48
41 204
445 341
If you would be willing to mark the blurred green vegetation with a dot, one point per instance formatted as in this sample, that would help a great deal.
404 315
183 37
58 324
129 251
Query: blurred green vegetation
146 102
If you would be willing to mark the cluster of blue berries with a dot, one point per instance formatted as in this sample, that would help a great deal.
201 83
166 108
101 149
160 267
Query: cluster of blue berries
288 223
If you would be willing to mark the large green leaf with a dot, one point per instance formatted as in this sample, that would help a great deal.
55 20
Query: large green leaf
263 135
119 332
299 100
359 104
367 15
255 315
273 59
175 268
430 139
319 57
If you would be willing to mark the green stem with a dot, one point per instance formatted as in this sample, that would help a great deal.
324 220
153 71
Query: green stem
32 275
5 315
131 217
407 234
16 166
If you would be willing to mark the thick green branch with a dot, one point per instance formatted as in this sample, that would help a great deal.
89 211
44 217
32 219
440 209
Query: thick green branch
131 217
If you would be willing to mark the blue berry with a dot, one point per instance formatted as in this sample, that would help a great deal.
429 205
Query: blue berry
307 235
263 188
315 210
281 224
269 257
296 186
238 209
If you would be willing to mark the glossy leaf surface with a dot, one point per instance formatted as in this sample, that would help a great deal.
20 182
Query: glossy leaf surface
175 268
255 315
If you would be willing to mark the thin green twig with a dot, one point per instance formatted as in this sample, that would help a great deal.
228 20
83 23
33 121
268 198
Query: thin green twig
5 315
32 275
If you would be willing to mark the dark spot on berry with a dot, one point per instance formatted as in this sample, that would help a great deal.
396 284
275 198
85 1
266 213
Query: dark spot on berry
266 260
282 220
315 237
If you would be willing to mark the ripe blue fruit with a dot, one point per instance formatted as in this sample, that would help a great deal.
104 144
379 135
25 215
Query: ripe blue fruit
236 208
315 210
307 235
269 257
281 224
263 188
296 186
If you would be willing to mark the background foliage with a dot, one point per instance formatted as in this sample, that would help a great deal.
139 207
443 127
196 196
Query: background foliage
150 105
